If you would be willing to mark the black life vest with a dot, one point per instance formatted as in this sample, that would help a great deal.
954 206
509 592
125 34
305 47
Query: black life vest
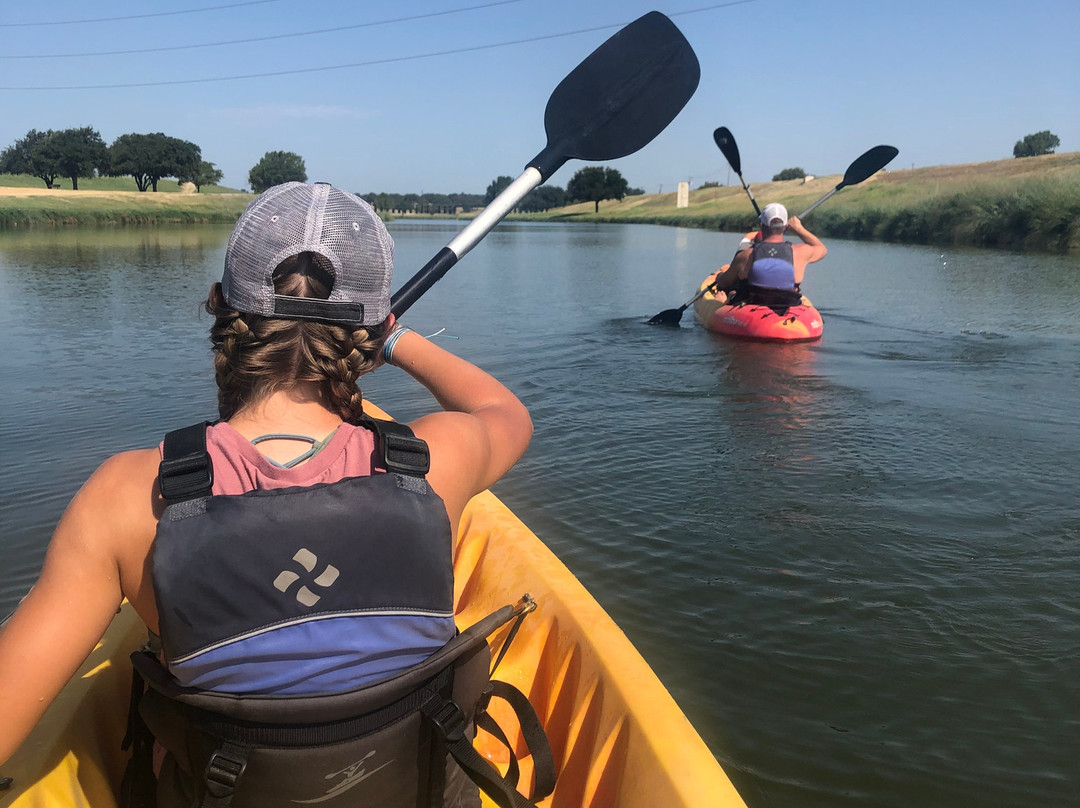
400 741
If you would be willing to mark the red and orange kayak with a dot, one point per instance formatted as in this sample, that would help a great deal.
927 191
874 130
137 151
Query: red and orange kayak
800 323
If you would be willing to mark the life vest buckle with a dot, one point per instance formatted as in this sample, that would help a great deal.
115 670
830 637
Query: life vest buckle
222 772
406 454
186 471
450 721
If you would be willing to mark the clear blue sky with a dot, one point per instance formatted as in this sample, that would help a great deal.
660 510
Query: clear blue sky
808 83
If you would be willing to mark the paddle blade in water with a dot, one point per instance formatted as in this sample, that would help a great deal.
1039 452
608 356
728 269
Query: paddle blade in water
666 317
622 96
726 142
868 164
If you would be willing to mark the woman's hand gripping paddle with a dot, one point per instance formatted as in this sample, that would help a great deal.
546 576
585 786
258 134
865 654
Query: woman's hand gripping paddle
621 97
865 165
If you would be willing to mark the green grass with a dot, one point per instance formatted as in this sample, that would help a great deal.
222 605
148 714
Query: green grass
121 209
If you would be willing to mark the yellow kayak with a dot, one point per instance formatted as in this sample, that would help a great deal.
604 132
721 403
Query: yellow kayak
617 736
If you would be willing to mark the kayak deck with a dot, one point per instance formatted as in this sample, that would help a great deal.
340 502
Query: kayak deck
617 735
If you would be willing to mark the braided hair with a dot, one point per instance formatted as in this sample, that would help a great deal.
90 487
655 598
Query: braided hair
256 356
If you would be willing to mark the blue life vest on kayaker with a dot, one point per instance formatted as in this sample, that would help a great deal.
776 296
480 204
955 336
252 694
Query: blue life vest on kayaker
772 265
301 590
373 560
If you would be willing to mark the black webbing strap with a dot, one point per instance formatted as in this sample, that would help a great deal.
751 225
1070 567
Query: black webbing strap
186 471
449 722
532 731
138 786
402 451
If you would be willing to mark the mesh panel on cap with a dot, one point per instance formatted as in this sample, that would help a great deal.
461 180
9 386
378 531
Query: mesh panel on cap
294 217
355 238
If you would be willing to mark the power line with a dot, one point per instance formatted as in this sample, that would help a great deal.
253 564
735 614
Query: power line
369 63
262 38
136 16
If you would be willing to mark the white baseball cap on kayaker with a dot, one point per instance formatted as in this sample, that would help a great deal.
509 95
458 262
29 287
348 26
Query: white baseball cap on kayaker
774 215
346 236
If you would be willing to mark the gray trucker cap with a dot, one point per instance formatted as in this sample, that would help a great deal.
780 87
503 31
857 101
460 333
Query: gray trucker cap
292 218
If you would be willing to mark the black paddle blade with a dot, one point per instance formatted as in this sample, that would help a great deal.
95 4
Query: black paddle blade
868 164
726 142
622 96
667 317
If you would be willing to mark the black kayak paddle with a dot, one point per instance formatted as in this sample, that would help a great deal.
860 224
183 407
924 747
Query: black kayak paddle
726 141
616 101
865 165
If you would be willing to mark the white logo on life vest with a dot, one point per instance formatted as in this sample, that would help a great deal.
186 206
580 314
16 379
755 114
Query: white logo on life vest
306 559
354 774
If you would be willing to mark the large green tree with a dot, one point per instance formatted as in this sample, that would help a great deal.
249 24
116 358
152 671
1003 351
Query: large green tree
276 167
1043 142
595 184
75 152
789 174
150 157
27 156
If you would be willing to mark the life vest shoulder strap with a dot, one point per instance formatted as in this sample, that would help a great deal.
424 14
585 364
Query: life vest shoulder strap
402 452
186 471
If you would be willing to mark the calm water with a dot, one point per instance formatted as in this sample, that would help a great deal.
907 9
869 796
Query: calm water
853 563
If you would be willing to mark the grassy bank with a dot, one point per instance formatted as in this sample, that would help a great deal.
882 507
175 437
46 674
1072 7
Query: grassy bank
1028 204
99 204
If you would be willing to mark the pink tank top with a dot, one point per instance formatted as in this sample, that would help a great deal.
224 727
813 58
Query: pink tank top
239 467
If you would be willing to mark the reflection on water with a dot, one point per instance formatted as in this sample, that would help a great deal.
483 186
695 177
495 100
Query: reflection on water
851 561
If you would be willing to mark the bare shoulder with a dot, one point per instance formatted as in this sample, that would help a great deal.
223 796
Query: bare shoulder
119 497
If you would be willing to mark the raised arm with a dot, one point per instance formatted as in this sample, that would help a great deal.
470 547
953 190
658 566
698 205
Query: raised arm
483 430
817 250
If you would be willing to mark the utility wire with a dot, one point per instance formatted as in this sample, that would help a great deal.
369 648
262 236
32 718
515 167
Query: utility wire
387 60
262 38
135 16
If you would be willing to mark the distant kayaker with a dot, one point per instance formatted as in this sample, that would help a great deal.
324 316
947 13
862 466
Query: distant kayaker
307 549
767 270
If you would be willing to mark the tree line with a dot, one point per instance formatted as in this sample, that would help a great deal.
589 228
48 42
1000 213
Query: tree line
592 184
81 153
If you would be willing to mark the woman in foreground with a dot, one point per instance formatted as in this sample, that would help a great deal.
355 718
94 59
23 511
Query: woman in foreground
301 314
